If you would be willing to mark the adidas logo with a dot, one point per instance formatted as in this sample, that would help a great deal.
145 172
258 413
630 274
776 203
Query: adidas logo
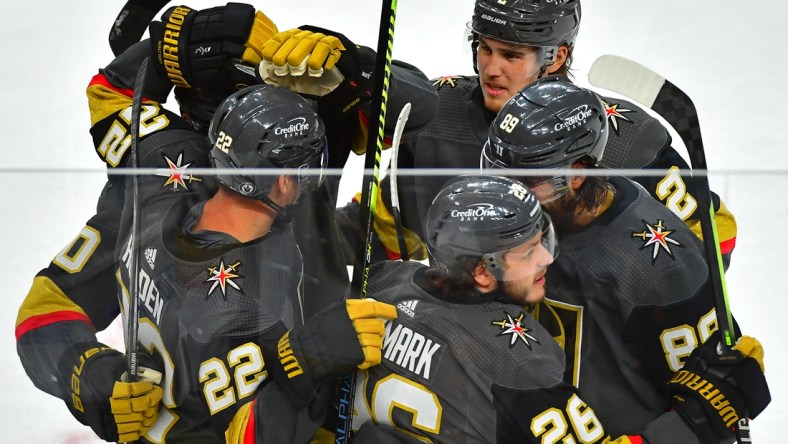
408 307
150 256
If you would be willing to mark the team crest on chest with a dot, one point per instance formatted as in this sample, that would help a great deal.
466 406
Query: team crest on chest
657 237
515 329
223 276
446 80
176 174
613 113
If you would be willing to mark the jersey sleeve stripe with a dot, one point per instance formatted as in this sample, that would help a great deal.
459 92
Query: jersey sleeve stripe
45 304
36 322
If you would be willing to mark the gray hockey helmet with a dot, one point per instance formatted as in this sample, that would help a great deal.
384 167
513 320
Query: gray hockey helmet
545 24
550 123
484 216
263 126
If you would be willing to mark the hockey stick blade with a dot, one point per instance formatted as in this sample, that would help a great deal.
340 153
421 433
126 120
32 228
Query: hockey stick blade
131 23
635 81
398 130
639 83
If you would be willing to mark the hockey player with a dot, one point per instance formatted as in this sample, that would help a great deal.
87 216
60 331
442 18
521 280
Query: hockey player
464 361
62 309
225 328
220 288
514 43
630 297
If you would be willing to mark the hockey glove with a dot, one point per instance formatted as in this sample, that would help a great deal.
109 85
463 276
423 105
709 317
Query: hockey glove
201 49
115 410
712 392
343 336
331 60
290 52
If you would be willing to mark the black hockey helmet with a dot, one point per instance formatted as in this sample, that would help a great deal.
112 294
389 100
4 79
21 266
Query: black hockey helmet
545 24
482 216
550 123
263 126
197 107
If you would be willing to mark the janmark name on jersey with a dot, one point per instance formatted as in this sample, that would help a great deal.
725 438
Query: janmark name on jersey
410 349
147 291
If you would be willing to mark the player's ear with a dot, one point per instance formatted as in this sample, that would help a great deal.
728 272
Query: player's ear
576 181
484 279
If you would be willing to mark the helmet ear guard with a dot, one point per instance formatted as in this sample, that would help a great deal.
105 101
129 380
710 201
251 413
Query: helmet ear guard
494 262
544 24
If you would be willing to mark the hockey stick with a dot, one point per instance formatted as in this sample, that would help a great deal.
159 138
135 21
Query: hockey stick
131 23
639 83
133 319
401 121
358 285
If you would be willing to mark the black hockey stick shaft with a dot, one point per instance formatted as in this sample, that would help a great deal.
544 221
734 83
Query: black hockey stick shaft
375 143
131 23
358 284
395 212
637 82
133 320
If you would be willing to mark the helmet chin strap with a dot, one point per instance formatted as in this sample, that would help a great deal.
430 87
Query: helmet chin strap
283 213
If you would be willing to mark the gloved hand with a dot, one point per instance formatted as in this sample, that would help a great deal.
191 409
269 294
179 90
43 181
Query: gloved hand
713 391
135 405
368 317
115 410
291 51
333 342
330 59
202 49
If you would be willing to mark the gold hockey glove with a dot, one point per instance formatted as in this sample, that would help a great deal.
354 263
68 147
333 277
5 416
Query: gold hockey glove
135 405
96 395
328 59
295 50
368 317
341 337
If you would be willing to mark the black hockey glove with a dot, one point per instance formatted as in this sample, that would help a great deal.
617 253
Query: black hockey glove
96 396
201 49
333 342
712 391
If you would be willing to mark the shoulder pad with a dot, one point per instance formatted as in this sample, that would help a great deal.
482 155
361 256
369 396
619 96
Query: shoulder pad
635 137
455 82
459 118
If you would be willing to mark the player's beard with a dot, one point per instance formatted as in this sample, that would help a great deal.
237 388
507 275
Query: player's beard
520 294
562 211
